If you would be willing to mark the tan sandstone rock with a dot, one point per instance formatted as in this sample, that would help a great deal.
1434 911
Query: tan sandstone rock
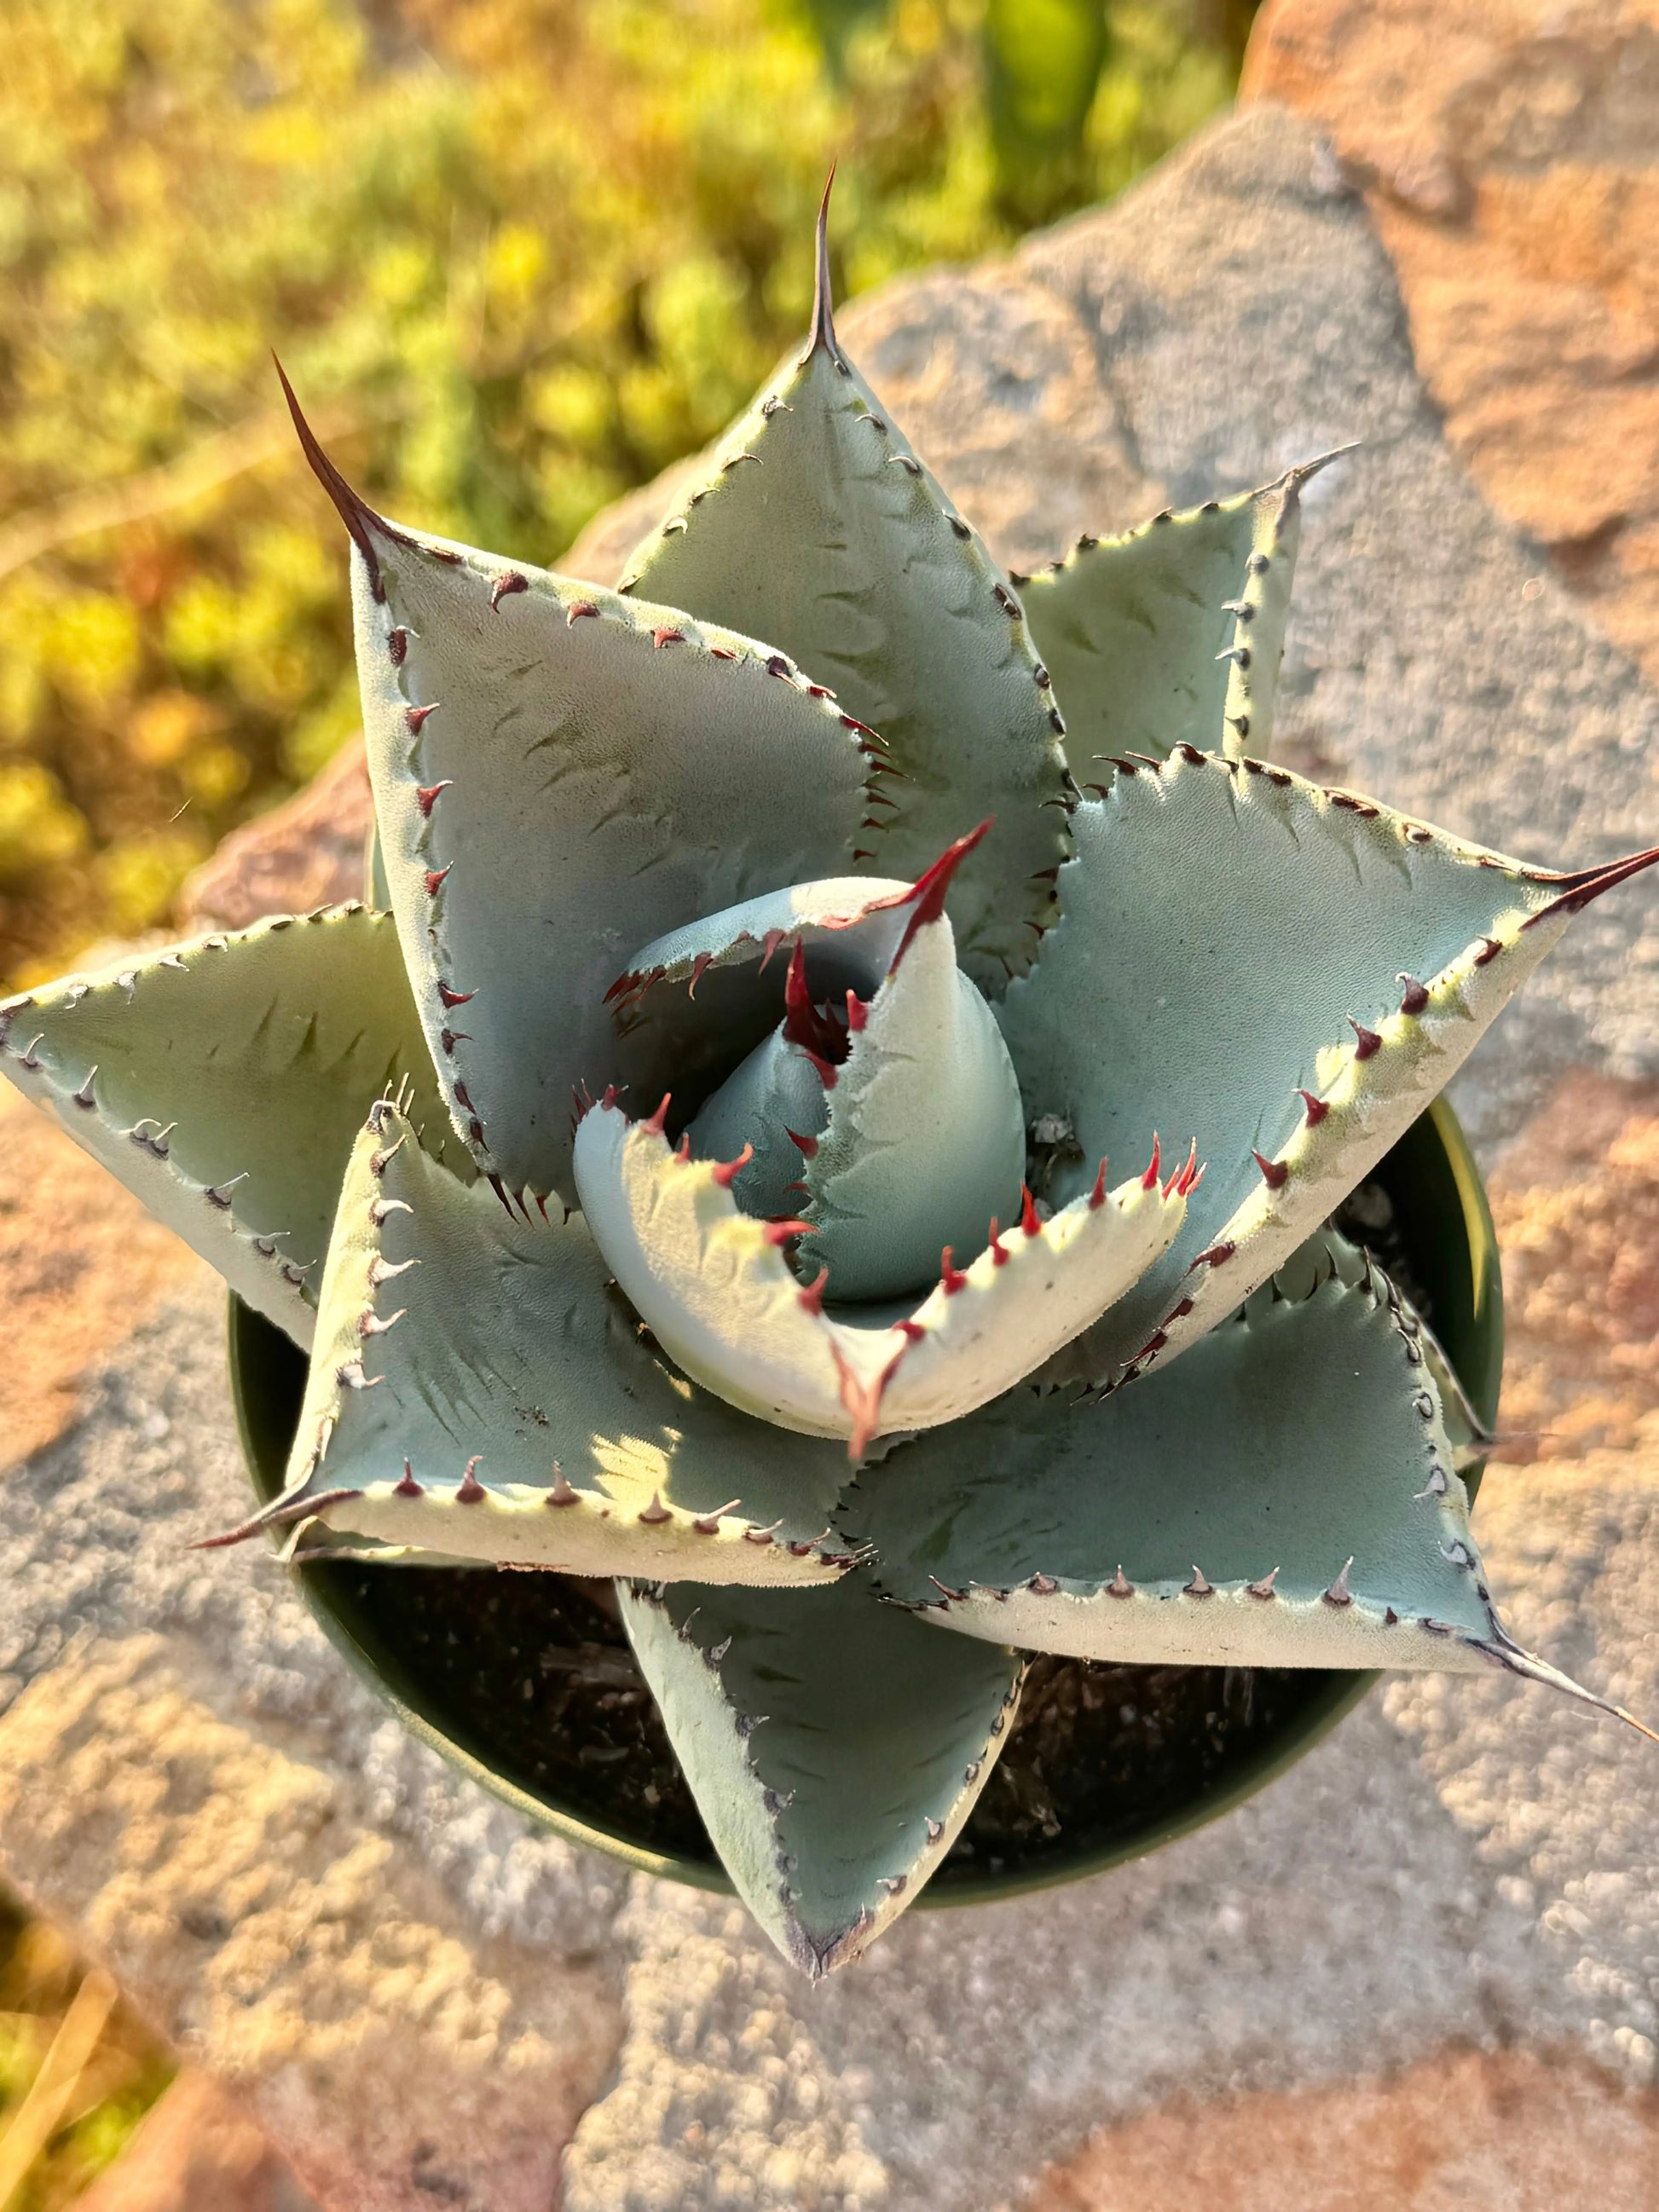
1482 2131
245 1897
1510 153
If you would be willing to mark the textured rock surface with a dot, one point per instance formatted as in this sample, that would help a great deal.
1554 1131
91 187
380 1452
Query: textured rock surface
1463 1862
1510 149
1486 2132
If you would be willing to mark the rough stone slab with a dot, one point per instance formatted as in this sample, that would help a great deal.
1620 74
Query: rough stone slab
1507 152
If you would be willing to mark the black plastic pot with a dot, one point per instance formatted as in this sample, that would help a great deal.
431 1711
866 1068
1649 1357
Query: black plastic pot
1444 1246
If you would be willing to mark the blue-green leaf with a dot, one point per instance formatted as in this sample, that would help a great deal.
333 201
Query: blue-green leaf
1232 936
819 528
224 1080
833 1746
558 775
476 1393
1172 634
1285 1498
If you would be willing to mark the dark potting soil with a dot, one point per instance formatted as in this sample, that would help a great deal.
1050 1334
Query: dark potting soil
535 1673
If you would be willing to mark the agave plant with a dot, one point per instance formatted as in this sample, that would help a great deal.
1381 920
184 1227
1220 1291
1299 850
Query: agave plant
691 1167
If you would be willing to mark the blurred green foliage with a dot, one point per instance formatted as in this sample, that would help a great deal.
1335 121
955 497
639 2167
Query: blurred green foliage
516 254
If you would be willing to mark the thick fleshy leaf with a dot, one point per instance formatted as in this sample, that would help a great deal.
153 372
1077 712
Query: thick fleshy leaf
558 773
820 529
1232 936
833 1744
924 1146
895 1125
224 1080
1172 633
1286 1498
475 1393
711 1284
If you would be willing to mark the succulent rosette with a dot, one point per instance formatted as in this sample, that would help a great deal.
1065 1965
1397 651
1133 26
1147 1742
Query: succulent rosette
692 1167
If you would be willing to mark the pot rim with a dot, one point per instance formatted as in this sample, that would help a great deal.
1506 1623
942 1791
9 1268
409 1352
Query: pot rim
1480 1368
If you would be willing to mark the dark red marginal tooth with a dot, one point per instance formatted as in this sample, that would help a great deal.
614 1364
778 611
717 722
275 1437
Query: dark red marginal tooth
465 1097
726 1172
408 1487
1490 949
723 652
862 1401
1416 995
996 1248
415 717
1192 1175
1216 1256
700 968
911 1331
655 1513
1154 1344
1317 1107
396 644
950 1279
504 586
1274 1173
576 610
1180 1312
622 985
471 1490
1367 1043
858 1012
770 943
428 794
666 633
609 1098
1578 890
824 1041
1097 1194
1028 1213
451 997
1150 1180
435 878
807 1147
363 526
475 1130
655 1123
779 1232
926 897
811 1297
499 1189
1175 1179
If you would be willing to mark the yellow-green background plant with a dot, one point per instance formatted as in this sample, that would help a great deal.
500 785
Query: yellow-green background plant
535 249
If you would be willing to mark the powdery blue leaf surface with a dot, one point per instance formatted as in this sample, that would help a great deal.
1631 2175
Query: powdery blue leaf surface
834 1747
224 1080
820 529
476 1394
558 775
1285 975
1285 1497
